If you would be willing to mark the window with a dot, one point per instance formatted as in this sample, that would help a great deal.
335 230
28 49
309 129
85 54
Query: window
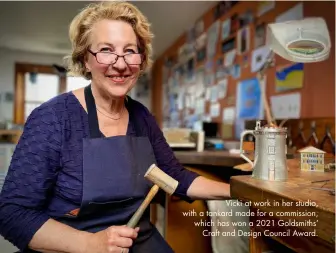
74 83
39 88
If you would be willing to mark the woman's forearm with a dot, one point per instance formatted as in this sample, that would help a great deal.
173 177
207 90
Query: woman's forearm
204 188
55 237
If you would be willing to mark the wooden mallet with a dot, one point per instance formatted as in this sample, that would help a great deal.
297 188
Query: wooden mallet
160 180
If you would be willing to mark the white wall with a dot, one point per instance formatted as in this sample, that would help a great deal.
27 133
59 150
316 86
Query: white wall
8 59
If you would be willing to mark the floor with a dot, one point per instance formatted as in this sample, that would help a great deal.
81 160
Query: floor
6 247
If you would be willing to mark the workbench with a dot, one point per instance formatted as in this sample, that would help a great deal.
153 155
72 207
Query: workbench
179 231
292 196
209 158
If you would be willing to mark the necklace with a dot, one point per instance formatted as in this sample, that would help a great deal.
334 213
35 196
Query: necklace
110 116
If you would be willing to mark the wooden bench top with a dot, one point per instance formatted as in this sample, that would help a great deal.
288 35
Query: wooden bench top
299 196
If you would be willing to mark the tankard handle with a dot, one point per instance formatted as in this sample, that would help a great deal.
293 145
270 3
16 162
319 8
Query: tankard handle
241 145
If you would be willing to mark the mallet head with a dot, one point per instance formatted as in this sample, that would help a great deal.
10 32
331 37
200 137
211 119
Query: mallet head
161 179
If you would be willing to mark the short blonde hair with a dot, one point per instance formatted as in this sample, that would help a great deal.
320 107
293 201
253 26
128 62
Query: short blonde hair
81 25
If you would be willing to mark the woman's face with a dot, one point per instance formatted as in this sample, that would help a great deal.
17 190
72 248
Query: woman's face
113 75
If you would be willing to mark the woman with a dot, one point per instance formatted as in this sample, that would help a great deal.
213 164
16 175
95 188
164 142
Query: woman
77 174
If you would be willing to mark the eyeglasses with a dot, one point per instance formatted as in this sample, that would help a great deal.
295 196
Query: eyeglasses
109 58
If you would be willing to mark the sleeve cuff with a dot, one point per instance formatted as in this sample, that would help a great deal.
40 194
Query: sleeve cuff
182 189
27 234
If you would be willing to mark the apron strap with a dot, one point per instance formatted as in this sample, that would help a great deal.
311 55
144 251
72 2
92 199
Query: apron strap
92 113
93 118
138 127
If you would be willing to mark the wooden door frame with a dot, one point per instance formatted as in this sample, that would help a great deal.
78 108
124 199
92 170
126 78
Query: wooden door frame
19 86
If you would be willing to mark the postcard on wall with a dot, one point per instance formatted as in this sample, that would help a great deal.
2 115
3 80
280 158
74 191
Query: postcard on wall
289 77
236 71
214 94
215 110
295 13
199 106
212 36
249 102
230 58
222 88
286 106
244 40
259 57
260 35
229 115
226 28
264 7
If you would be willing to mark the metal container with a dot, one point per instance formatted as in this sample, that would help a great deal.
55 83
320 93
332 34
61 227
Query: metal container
269 154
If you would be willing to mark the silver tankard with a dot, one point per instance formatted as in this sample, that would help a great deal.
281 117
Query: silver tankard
269 152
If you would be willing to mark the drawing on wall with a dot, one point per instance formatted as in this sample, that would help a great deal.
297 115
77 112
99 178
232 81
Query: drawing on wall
259 57
286 106
289 77
244 40
249 102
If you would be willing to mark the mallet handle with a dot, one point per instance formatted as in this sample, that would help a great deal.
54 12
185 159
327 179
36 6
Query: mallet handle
138 214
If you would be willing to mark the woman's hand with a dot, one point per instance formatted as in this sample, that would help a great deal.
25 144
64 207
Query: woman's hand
115 239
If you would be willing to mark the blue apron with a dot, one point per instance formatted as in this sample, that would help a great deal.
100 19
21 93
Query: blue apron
113 182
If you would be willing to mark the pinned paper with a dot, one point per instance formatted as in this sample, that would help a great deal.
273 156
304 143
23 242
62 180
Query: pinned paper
259 57
286 106
229 115
222 88
199 106
215 110
214 94
230 58
249 100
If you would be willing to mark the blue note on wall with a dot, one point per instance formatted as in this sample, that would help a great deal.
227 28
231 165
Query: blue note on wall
249 100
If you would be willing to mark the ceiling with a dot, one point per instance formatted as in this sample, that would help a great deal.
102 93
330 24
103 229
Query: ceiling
42 26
